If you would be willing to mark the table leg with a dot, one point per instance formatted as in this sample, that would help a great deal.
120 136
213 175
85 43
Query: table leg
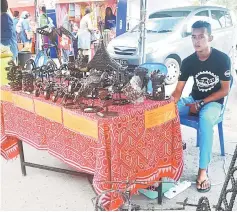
159 190
22 158
39 166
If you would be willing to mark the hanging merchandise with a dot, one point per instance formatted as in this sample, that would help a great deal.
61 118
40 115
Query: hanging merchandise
71 11
77 13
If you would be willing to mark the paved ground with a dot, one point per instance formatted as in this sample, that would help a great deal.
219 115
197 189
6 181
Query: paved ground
43 190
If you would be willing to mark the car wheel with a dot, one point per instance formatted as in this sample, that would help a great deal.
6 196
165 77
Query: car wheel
173 71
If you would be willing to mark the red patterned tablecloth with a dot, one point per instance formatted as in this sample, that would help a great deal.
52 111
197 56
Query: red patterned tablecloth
135 145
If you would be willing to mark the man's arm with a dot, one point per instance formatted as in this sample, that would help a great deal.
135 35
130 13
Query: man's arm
178 90
222 92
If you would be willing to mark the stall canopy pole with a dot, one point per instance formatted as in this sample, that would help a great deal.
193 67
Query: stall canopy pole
142 39
37 37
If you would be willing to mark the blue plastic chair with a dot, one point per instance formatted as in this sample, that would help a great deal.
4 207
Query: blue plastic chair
154 67
193 121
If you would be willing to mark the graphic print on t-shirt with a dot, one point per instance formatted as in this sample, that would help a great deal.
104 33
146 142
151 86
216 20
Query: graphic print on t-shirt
206 81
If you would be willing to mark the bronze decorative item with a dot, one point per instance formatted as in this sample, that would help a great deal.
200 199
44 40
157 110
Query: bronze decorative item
69 94
89 89
27 81
158 85
120 80
105 97
14 75
133 90
117 74
102 61
93 108
61 86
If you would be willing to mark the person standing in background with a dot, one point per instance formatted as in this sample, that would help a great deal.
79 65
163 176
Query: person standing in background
75 43
43 22
85 33
110 19
8 32
67 24
16 19
25 30
43 16
65 41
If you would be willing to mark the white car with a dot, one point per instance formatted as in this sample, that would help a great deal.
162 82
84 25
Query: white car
168 37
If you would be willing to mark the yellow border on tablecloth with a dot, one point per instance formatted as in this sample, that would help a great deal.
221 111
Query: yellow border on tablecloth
23 102
80 124
160 115
49 111
6 96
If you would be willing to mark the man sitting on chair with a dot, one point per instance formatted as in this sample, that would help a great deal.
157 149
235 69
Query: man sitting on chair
210 69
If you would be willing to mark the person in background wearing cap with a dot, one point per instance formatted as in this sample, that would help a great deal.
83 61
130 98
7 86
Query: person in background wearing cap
8 32
26 34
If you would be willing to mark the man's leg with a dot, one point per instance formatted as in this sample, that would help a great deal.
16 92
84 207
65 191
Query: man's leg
208 117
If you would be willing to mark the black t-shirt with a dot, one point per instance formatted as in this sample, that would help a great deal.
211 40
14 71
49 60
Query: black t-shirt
207 74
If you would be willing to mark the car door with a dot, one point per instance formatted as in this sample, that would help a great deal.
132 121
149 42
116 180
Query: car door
230 33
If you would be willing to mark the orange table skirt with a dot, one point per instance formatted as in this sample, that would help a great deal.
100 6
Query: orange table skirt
135 145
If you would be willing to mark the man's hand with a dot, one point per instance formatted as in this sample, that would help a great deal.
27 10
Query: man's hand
193 108
178 90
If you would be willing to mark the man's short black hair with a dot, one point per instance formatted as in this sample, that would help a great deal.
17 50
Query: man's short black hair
4 6
44 9
16 13
202 24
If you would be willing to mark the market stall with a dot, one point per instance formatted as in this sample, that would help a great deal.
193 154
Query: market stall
113 149
101 123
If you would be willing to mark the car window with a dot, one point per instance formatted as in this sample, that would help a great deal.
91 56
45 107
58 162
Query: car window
217 20
203 13
165 14
200 16
228 20
160 25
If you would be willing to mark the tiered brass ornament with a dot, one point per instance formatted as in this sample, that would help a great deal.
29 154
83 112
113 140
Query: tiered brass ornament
109 69
102 61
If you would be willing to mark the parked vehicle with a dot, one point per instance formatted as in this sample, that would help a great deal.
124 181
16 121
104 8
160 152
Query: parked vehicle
168 37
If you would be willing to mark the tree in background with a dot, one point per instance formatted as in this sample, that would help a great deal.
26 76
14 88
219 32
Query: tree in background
230 4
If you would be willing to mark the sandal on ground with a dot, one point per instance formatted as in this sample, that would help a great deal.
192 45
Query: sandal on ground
203 190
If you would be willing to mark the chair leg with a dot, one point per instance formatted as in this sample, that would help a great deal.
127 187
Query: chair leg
197 145
221 137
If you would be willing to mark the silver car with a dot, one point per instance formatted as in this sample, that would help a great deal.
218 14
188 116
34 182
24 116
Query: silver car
168 37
